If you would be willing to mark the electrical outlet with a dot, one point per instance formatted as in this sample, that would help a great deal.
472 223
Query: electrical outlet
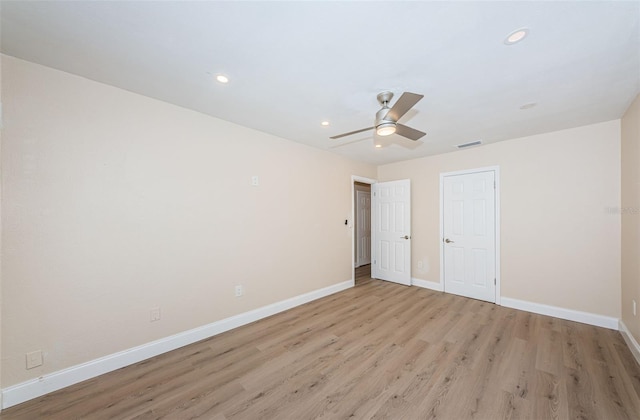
239 290
155 314
34 359
255 181
634 308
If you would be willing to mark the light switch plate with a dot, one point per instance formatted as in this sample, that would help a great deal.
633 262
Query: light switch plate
155 314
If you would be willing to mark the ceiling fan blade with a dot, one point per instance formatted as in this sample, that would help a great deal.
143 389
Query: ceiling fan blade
351 132
408 132
402 105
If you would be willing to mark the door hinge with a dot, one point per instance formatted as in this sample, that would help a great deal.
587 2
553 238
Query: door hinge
494 185
374 261
494 282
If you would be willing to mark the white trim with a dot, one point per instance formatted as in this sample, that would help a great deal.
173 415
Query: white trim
562 313
35 388
631 341
362 179
471 171
496 170
426 284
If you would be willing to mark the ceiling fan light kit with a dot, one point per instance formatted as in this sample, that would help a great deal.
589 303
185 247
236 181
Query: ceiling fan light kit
386 128
386 122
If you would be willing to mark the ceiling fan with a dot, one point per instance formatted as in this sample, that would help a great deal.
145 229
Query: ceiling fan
386 122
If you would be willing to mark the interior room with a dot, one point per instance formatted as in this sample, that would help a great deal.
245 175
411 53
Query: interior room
241 210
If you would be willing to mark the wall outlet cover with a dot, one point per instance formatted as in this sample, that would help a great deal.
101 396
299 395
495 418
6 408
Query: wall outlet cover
34 359
154 314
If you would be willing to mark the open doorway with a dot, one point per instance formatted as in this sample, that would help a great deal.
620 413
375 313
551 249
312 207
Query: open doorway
362 231
362 224
389 226
361 216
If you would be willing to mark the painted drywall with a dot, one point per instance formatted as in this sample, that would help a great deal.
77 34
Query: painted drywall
115 203
560 243
630 211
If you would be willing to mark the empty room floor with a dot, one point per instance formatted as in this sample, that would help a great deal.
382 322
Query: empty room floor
378 350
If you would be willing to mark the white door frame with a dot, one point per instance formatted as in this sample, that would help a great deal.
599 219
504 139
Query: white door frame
364 180
496 170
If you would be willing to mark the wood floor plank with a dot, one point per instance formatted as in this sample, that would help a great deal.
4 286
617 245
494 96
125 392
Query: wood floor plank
376 351
548 397
616 389
628 364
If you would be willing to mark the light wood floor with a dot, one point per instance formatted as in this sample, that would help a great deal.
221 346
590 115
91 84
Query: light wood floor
377 351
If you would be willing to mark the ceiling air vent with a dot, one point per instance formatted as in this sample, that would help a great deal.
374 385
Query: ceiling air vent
465 145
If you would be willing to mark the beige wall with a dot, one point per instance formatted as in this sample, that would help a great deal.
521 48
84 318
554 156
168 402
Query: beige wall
631 217
559 244
116 203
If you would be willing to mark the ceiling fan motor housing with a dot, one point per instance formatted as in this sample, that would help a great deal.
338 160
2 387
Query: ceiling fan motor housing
380 116
384 98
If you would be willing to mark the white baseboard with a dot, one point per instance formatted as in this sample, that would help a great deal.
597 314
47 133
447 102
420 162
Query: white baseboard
45 384
631 341
568 314
426 284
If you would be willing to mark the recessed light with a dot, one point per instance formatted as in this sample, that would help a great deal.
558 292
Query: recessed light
222 78
378 146
516 36
529 105
324 123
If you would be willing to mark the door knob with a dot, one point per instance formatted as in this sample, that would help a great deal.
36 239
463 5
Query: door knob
449 241
405 237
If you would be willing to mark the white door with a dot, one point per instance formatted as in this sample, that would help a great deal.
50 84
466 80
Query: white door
469 235
392 231
363 228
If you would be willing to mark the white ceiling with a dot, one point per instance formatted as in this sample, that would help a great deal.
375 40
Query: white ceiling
295 64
